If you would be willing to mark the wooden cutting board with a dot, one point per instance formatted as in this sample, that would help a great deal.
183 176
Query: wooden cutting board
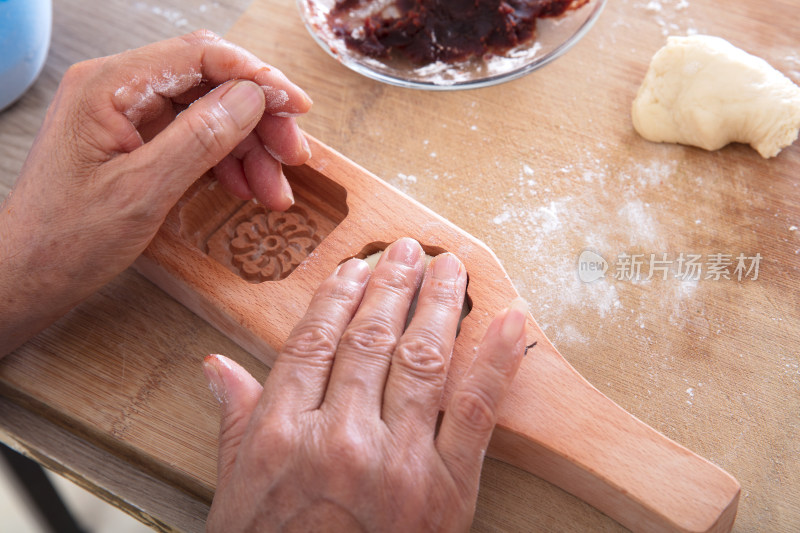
539 169
548 166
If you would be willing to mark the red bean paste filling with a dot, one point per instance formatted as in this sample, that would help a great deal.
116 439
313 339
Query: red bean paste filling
426 31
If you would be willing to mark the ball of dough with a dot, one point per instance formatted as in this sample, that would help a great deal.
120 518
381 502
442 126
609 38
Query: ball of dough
705 92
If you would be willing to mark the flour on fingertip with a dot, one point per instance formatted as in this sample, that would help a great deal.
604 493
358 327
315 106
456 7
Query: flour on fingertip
276 98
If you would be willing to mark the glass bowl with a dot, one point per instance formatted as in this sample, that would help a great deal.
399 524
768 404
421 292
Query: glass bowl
553 37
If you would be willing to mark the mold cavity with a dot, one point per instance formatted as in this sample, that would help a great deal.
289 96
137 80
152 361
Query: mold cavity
372 252
257 244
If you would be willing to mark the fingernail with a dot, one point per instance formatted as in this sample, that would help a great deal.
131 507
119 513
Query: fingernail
514 322
286 189
215 382
446 267
243 102
354 269
308 101
405 251
306 148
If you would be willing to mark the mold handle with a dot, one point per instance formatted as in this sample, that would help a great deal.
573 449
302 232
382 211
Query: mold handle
557 426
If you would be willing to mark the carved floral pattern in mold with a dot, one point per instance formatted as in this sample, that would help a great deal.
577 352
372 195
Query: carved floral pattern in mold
270 245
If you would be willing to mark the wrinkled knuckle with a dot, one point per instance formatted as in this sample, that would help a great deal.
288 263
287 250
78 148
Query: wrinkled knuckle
447 296
205 128
371 336
340 292
396 280
313 340
474 410
423 358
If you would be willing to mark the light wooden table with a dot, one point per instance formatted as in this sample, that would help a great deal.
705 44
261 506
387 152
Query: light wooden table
540 169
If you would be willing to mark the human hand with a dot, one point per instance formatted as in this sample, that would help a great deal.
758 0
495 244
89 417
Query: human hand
343 435
119 146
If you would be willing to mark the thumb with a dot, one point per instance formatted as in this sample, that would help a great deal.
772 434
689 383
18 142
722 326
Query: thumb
202 135
238 394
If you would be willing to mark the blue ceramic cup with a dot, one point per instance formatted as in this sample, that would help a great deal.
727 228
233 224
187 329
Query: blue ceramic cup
24 40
